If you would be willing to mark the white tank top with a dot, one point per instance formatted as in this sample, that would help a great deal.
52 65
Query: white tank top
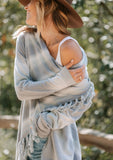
58 58
83 61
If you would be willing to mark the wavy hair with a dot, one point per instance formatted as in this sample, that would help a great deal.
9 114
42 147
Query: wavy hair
44 8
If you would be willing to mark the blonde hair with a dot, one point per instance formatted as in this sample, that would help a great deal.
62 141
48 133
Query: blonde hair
44 8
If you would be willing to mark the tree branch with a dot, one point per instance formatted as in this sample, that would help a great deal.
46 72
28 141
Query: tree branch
88 137
106 8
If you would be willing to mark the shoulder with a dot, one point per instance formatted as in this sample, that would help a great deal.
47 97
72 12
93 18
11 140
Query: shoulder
24 35
70 50
20 38
20 44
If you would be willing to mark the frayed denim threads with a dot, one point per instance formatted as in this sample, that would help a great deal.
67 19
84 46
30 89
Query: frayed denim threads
37 148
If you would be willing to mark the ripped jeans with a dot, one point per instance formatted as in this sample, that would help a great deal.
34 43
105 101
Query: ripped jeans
37 148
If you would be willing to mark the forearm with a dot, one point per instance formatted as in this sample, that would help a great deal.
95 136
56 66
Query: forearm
28 89
62 116
25 87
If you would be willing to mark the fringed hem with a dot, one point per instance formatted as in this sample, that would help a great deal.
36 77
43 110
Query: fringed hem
77 103
25 146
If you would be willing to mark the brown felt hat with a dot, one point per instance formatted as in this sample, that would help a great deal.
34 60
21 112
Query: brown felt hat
74 19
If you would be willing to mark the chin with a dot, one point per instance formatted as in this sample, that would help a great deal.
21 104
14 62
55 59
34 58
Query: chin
30 23
27 22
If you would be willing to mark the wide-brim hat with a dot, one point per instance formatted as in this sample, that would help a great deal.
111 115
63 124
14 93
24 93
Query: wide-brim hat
75 20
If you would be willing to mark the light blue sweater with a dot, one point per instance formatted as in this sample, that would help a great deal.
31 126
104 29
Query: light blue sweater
51 101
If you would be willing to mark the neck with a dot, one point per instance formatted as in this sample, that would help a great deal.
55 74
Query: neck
50 34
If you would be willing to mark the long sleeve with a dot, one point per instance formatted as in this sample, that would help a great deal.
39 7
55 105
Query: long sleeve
63 115
25 87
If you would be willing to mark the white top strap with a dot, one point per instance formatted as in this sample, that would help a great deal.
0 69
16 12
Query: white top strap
66 38
58 59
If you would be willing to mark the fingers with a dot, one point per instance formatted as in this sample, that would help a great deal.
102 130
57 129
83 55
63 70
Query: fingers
70 64
78 76
79 70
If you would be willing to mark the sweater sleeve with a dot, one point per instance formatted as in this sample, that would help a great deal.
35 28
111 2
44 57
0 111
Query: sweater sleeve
65 114
28 89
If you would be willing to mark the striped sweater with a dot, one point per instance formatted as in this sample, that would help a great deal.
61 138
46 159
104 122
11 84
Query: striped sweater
51 101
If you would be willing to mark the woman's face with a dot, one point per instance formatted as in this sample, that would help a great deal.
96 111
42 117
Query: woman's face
31 17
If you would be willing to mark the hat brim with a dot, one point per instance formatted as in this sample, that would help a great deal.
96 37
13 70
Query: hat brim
75 20
24 2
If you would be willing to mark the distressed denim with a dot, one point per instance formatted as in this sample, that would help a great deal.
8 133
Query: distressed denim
38 145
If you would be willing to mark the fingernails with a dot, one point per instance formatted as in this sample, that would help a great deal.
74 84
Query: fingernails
72 60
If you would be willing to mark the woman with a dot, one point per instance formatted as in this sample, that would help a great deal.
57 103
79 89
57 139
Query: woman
54 91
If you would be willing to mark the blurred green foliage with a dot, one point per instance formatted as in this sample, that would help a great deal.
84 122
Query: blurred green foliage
7 144
11 14
96 37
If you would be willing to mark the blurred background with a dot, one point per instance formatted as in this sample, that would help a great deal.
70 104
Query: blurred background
96 37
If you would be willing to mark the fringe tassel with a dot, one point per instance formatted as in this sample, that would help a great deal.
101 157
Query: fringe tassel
25 147
80 102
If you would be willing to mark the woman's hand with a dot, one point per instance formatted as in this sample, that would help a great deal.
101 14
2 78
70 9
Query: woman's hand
77 74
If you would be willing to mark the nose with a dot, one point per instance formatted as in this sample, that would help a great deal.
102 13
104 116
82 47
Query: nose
26 7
